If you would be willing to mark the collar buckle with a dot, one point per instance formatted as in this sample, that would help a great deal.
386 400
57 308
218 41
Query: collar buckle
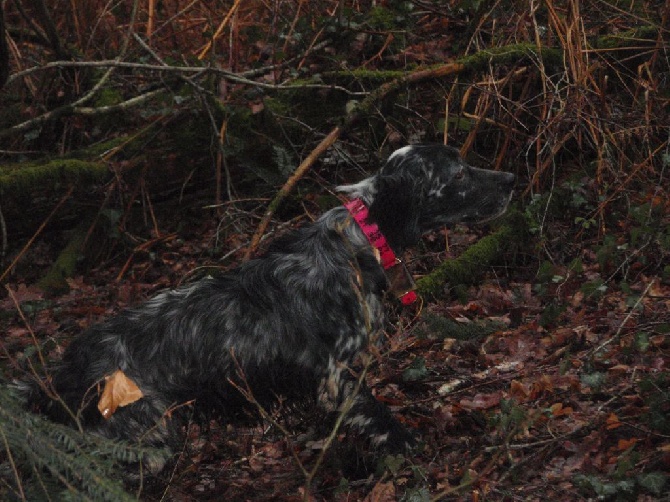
402 284
400 280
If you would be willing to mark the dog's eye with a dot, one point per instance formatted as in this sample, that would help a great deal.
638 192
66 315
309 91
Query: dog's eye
460 174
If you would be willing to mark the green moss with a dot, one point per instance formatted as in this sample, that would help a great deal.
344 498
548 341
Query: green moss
65 265
627 38
108 97
365 75
27 176
441 327
511 54
467 268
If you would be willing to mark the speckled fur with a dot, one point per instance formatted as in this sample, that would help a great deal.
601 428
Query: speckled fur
289 323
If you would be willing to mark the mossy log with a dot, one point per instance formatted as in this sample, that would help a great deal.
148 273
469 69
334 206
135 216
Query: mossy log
80 168
22 178
55 281
467 269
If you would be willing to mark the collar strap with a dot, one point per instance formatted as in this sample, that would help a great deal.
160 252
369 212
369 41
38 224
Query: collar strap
400 279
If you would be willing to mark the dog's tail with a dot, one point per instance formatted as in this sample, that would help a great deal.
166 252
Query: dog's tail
36 397
61 396
31 394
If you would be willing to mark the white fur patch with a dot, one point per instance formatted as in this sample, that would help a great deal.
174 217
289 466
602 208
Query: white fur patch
364 189
360 421
401 151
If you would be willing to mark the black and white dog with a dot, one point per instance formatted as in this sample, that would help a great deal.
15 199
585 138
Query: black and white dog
288 324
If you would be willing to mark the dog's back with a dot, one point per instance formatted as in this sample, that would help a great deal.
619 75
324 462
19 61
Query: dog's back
289 323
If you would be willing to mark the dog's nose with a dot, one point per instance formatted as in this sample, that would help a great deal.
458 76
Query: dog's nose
508 179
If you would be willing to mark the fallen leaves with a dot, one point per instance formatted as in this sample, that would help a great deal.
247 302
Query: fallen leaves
559 410
481 401
537 403
382 492
119 391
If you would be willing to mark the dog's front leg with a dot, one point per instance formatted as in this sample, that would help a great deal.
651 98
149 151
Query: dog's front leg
342 394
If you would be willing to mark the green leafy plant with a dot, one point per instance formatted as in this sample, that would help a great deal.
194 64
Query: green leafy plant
64 463
416 370
656 395
623 484
652 483
511 418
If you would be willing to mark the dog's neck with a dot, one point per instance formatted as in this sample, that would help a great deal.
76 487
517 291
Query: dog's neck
392 205
400 281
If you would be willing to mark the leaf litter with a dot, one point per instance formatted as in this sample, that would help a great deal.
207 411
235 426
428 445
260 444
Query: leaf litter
557 410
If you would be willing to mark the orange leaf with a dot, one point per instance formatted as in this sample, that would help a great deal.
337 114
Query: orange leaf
119 391
382 492
557 410
612 422
481 402
518 390
625 444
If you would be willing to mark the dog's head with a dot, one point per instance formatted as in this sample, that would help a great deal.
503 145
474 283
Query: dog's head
422 187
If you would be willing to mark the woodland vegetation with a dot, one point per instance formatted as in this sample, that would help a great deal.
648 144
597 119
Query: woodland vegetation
144 143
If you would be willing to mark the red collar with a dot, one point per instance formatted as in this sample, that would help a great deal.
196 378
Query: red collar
398 276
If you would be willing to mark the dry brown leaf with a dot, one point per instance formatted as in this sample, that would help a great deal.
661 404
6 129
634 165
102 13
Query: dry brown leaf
119 391
481 401
625 444
518 390
612 422
558 410
620 369
382 492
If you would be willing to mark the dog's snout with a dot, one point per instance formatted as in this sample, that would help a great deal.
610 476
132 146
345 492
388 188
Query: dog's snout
508 180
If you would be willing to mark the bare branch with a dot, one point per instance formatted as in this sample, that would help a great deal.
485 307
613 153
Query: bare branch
89 110
352 117
240 78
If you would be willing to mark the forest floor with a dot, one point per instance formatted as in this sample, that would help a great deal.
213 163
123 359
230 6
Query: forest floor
510 401
549 379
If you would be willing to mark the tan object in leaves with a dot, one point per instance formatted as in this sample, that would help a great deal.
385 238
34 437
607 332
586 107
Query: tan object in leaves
119 391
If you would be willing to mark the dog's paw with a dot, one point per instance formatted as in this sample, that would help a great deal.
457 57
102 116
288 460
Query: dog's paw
397 440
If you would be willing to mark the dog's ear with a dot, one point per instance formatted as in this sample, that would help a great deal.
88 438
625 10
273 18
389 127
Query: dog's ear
364 190
396 209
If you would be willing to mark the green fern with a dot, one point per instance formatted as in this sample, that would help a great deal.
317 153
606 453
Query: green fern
55 462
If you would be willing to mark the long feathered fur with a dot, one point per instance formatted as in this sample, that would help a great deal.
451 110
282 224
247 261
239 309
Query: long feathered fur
289 323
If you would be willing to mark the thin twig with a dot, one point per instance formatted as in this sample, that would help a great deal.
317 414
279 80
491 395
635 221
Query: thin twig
242 77
304 166
45 384
219 30
249 396
28 124
36 234
15 471
3 230
42 13
239 78
617 335
124 105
